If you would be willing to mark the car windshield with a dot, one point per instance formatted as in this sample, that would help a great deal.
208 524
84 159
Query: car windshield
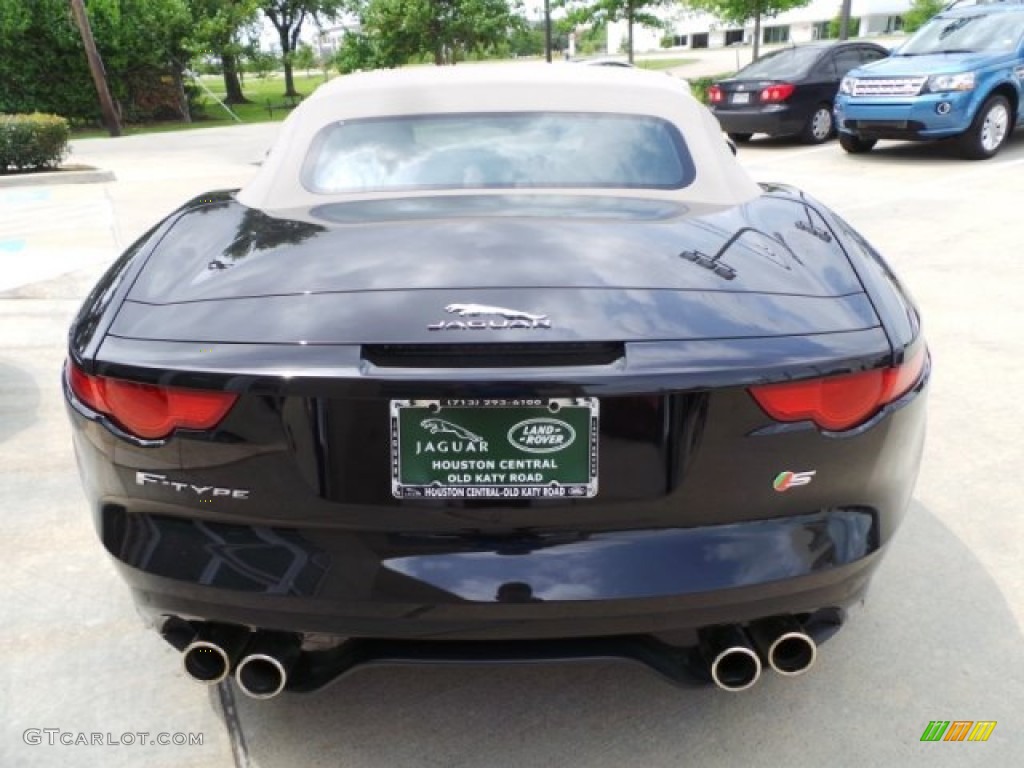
992 32
787 63
504 150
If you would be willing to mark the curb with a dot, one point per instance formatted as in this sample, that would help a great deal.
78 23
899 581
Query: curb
78 175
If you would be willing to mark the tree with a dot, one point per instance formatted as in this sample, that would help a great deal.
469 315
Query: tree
288 16
592 40
216 26
835 27
920 12
43 65
256 61
356 51
527 39
601 12
742 11
395 32
304 57
99 75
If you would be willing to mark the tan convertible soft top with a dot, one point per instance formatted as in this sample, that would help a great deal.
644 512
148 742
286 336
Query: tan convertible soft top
501 88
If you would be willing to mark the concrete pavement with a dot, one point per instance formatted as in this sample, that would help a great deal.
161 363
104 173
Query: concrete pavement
76 656
939 638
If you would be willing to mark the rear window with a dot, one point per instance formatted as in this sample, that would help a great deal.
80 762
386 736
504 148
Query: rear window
497 151
781 65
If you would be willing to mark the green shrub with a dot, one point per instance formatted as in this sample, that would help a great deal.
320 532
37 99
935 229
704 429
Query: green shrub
30 142
699 85
259 63
852 27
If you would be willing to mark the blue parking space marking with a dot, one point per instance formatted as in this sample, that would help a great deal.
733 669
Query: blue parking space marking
24 196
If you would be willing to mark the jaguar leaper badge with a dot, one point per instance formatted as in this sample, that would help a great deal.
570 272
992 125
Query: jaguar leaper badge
510 318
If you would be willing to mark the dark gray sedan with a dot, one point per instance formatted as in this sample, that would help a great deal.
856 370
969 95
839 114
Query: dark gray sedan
789 92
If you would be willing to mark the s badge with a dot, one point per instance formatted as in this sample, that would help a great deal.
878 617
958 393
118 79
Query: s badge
786 480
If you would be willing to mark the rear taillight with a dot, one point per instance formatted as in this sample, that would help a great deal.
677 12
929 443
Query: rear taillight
839 402
776 93
715 95
148 411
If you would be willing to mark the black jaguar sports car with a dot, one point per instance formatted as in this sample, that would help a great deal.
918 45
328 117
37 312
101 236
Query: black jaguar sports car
498 364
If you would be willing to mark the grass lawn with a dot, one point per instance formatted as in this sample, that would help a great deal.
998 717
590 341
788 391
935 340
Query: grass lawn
260 91
662 63
264 91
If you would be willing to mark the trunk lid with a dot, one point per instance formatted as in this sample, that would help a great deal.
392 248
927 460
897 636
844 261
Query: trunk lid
566 268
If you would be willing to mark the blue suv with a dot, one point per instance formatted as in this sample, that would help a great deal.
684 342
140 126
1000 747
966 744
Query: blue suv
959 76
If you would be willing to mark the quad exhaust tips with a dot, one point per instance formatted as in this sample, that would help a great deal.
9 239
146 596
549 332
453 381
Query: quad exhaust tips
266 662
733 662
263 671
783 643
211 654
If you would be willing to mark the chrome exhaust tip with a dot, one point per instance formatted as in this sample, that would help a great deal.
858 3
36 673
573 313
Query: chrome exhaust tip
263 671
209 657
261 676
782 641
734 664
793 653
736 669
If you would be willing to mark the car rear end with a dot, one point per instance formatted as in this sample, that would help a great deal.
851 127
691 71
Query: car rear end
766 96
761 106
690 426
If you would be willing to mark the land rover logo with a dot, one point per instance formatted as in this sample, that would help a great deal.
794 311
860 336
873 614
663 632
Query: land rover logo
541 435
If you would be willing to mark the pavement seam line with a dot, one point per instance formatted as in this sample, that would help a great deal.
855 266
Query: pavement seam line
115 229
227 704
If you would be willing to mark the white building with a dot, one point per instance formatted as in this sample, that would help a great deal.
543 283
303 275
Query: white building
329 39
695 29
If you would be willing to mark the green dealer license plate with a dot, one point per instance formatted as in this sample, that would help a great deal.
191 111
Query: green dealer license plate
494 448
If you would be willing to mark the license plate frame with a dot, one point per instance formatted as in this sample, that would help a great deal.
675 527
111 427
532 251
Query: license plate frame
495 448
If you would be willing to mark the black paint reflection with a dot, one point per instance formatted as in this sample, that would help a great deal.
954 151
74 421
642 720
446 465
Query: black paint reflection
271 561
521 567
516 592
626 564
94 308
259 232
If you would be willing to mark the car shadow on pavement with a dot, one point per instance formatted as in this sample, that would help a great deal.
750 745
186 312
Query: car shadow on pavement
923 153
936 640
945 152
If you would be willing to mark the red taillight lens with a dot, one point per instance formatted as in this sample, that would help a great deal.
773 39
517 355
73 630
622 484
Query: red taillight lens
146 410
776 93
715 94
839 402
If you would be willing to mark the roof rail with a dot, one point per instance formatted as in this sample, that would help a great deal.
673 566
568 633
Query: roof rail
969 3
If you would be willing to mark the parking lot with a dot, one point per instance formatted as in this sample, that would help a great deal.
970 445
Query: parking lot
940 637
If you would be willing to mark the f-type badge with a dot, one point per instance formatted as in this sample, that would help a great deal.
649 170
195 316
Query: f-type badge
510 318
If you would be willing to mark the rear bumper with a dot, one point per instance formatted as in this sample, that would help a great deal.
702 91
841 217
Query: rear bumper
775 120
516 587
